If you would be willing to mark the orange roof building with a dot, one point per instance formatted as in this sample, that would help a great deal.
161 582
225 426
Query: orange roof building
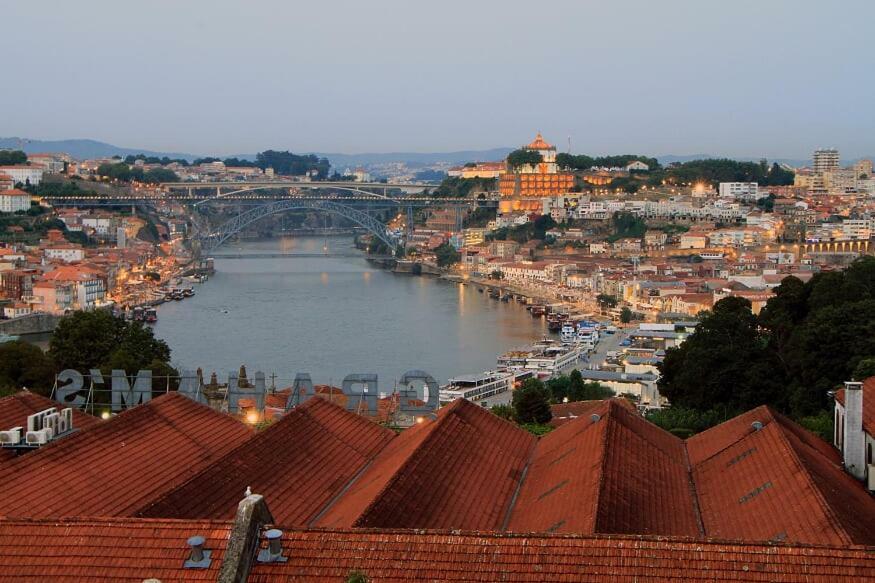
540 180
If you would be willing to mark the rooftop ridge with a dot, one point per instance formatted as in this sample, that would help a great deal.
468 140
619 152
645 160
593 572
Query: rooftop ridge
442 416
771 418
822 501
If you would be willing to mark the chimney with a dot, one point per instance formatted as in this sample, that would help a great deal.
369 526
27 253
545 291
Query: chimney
198 558
852 440
274 551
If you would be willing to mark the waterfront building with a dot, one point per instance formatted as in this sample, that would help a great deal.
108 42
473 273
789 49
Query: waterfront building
476 387
536 180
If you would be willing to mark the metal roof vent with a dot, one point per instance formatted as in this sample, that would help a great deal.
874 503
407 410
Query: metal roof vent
198 558
757 425
274 551
595 417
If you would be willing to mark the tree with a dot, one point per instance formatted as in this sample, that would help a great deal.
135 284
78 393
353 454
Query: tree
606 301
625 315
446 255
503 411
724 362
288 164
12 157
627 225
522 157
865 369
157 175
24 365
97 339
531 403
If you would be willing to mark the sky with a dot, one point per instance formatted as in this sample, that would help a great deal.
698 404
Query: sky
774 78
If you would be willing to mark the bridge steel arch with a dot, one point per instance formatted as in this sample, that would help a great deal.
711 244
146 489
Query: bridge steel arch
243 220
221 196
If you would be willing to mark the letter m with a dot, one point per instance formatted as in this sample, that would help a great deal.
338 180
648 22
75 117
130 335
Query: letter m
123 396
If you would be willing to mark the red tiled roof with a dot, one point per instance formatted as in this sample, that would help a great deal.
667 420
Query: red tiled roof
132 550
116 467
15 409
619 474
565 412
868 404
459 471
777 483
401 556
300 463
107 549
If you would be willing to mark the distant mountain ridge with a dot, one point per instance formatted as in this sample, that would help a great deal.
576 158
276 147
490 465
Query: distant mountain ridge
82 148
86 148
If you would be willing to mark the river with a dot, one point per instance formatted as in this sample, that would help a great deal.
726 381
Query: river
331 316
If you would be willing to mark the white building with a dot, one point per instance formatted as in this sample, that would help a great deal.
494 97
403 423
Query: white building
854 433
24 174
14 200
66 252
739 190
637 165
826 160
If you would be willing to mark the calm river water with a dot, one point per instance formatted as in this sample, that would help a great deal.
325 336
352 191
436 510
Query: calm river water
330 316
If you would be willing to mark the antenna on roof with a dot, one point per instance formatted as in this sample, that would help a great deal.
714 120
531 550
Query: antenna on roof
757 425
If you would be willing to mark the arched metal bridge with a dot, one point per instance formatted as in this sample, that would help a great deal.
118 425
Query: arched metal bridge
243 220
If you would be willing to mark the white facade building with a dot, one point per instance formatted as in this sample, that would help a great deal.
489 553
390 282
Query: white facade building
24 174
12 201
739 190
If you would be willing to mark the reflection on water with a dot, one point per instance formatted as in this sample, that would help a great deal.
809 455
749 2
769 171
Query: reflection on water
331 316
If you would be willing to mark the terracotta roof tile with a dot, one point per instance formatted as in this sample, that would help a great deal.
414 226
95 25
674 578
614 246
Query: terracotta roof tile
115 467
459 471
777 483
110 549
401 556
300 463
15 409
619 474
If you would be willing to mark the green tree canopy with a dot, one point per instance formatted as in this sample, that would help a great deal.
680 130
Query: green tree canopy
288 164
97 339
446 255
12 157
24 365
523 156
531 403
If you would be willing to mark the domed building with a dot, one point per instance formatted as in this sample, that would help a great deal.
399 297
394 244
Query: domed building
536 180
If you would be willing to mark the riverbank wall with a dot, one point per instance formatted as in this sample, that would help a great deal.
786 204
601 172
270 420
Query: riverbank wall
30 324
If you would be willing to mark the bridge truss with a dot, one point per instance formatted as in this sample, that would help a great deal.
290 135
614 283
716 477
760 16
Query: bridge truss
244 219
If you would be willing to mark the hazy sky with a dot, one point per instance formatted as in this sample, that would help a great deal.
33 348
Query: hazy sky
739 77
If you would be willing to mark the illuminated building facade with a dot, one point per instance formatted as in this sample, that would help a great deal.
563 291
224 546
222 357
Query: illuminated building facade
536 180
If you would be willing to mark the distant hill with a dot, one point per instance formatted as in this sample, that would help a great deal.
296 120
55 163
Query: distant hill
82 148
416 158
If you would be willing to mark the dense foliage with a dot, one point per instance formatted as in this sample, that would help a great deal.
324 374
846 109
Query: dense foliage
97 339
164 160
446 255
531 403
584 162
625 225
521 157
288 164
533 230
24 365
573 388
122 172
808 339
12 157
456 187
712 171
